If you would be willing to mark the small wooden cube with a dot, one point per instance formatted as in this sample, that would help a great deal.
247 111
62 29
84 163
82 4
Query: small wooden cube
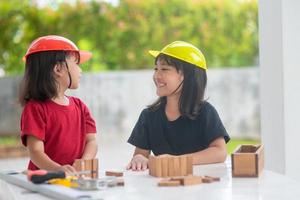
247 161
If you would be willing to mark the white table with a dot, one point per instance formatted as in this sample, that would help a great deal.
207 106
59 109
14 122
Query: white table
139 185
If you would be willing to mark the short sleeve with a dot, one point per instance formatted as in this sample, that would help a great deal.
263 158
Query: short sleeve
90 125
139 136
33 122
214 127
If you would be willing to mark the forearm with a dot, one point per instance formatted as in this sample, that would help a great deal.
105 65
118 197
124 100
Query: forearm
42 161
90 150
210 155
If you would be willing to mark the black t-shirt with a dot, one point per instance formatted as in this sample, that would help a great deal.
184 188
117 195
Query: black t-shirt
154 132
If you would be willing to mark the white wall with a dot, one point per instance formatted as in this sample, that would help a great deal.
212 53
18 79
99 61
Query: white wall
279 32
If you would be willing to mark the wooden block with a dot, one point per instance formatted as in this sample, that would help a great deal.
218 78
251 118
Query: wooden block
177 168
158 166
189 165
183 166
207 180
247 161
168 183
95 168
165 166
114 173
155 166
213 178
178 178
79 165
171 168
120 182
192 180
260 160
151 165
88 164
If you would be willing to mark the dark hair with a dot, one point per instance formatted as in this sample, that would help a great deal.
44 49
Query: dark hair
39 82
193 87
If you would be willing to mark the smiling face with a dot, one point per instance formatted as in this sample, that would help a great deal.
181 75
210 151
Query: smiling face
167 79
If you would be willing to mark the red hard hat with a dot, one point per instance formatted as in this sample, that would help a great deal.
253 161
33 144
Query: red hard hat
56 43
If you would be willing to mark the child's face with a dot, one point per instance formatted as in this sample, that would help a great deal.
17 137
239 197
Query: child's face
167 79
75 71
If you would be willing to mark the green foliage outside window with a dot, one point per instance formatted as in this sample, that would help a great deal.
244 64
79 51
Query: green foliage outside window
119 36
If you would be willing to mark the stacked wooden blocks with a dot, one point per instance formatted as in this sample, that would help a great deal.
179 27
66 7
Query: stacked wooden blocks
247 161
86 166
168 166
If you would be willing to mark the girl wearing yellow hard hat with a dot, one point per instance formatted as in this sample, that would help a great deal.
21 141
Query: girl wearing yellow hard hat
180 122
55 128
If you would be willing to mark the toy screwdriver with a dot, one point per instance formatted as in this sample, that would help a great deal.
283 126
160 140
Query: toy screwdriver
41 176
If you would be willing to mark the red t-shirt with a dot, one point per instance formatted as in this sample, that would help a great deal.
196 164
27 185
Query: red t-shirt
62 128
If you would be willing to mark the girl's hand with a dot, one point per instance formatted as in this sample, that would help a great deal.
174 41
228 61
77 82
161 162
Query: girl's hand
138 163
68 169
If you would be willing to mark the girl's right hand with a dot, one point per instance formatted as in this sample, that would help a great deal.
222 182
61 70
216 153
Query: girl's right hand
138 163
68 169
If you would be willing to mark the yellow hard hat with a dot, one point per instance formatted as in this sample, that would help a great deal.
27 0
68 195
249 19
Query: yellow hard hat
183 51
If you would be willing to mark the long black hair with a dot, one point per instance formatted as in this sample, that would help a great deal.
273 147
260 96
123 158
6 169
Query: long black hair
39 81
193 87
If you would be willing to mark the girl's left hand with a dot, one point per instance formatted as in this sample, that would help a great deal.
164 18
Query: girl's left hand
138 163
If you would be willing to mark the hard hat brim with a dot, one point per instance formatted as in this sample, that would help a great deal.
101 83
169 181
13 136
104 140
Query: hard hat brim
154 53
84 56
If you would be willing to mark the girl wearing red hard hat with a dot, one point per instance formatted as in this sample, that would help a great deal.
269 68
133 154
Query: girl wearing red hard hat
180 122
55 128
